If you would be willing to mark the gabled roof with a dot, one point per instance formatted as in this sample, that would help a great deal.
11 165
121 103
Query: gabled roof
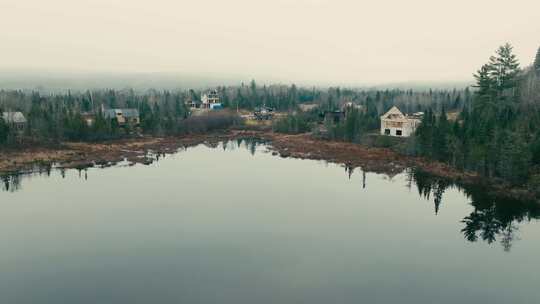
393 113
13 117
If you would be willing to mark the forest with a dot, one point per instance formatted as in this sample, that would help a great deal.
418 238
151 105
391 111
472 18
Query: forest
58 117
494 128
498 134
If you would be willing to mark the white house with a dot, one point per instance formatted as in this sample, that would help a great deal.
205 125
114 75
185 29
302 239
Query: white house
395 123
14 119
209 99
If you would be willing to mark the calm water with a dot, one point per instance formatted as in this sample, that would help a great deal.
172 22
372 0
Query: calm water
238 225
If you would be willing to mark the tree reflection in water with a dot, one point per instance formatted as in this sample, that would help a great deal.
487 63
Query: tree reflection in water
492 218
11 182
250 143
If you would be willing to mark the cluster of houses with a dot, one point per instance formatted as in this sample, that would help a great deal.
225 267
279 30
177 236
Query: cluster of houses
393 122
17 121
123 117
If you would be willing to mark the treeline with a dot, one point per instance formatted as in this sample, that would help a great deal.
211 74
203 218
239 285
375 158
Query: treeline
499 134
57 117
362 109
286 98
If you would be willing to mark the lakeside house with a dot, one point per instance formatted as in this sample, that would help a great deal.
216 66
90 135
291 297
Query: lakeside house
211 100
123 116
395 123
15 120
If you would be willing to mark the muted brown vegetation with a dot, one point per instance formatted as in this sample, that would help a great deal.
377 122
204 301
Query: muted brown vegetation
303 146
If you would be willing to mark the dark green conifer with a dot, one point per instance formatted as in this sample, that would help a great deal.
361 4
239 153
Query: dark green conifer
536 65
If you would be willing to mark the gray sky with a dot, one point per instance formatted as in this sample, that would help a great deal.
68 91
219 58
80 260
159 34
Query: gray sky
319 41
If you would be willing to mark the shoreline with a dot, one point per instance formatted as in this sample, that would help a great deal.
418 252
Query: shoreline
302 146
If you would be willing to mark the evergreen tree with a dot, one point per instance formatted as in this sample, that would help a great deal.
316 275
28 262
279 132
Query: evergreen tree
536 65
352 125
484 100
4 129
441 137
254 97
504 68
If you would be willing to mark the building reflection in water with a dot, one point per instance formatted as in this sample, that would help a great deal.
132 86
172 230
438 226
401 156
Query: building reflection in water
492 219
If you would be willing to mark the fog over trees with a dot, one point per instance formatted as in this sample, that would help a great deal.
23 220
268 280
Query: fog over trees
493 128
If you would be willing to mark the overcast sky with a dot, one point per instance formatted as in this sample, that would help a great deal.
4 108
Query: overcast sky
319 41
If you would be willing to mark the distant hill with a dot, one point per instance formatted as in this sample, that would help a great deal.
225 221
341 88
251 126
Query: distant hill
80 81
425 85
61 81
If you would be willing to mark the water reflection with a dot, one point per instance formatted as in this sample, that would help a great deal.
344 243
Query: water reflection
350 170
12 182
249 143
492 219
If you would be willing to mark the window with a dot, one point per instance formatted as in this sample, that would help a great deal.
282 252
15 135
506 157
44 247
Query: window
386 131
399 133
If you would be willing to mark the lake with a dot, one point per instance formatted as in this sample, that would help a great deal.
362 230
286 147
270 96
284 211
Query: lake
235 224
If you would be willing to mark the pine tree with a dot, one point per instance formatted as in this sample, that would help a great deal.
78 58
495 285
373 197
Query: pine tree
424 134
352 125
485 84
4 130
440 137
536 65
504 68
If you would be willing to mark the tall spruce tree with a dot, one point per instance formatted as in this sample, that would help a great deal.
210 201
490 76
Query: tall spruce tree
504 68
4 129
536 65
485 93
